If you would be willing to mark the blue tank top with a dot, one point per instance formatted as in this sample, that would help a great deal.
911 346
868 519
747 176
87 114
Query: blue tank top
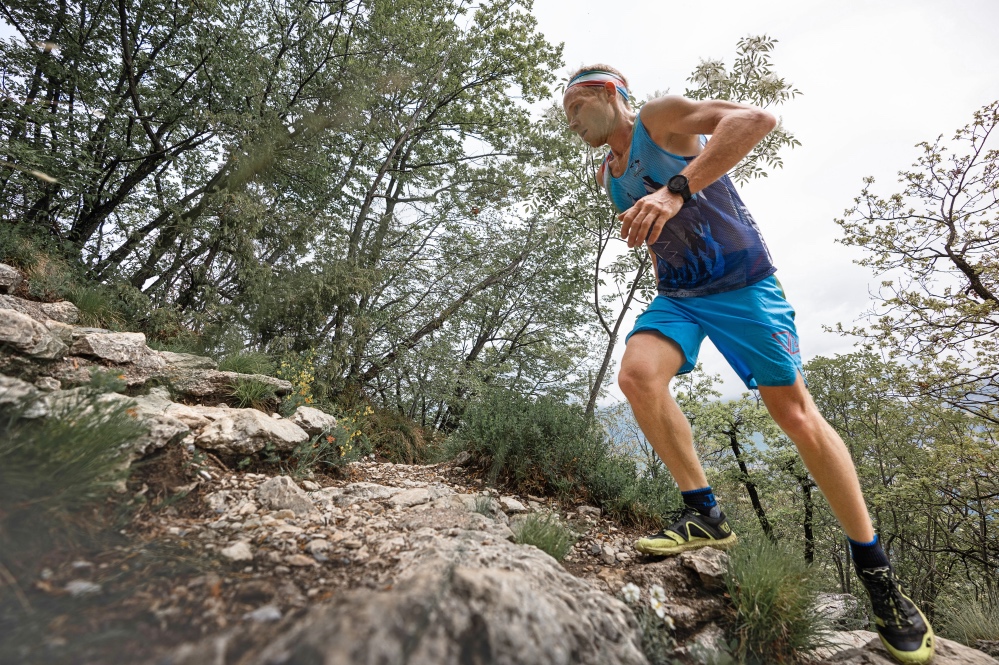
712 245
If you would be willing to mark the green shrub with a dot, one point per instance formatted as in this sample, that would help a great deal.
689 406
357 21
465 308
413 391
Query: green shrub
773 592
247 362
16 248
50 278
546 533
329 451
967 619
537 446
634 496
549 448
253 393
397 438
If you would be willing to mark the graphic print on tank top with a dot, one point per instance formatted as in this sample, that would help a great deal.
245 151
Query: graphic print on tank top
712 244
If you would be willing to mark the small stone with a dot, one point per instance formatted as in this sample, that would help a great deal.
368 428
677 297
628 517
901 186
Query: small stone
299 560
264 614
591 511
239 551
282 494
48 384
81 588
282 570
317 546
311 486
247 508
595 548
512 505
285 514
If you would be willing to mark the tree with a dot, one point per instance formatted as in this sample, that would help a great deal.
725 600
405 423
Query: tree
937 244
928 472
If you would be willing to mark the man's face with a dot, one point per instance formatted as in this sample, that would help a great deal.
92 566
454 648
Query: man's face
590 114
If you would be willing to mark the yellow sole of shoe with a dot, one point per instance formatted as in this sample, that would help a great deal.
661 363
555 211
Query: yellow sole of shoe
921 656
649 547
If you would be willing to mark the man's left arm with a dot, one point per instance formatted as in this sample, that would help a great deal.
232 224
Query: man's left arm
675 123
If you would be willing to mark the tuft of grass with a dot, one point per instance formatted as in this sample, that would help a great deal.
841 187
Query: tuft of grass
484 505
247 362
53 469
97 306
253 394
398 438
773 592
546 533
968 619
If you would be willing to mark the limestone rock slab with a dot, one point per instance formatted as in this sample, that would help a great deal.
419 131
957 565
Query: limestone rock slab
873 652
10 278
417 496
15 392
709 564
65 312
27 336
313 420
354 493
207 382
187 361
246 431
281 493
121 348
493 604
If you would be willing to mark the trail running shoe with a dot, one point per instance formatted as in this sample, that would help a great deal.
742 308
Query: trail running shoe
904 630
691 531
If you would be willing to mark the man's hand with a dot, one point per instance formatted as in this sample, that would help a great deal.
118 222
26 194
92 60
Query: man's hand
645 220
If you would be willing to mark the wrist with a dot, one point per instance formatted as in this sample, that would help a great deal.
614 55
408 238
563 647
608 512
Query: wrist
680 186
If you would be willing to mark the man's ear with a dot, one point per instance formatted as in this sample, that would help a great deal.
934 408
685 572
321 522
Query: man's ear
611 90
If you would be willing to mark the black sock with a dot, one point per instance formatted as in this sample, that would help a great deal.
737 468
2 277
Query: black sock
702 500
868 555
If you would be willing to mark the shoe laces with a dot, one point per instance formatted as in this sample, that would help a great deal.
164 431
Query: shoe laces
679 515
886 592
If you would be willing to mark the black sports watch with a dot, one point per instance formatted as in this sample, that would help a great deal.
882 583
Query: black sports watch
679 184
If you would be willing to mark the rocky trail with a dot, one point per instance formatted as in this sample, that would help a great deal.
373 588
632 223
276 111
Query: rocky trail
381 563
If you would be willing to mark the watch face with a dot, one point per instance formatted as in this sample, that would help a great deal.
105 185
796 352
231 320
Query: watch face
677 183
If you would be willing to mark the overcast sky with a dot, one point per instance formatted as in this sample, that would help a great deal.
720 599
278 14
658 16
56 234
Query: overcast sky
877 78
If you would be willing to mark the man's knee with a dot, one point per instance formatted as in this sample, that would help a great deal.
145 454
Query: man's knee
639 379
803 424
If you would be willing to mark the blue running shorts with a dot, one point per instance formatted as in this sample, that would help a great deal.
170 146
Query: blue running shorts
753 327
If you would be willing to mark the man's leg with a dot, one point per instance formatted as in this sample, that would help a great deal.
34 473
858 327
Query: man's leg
824 454
903 628
650 362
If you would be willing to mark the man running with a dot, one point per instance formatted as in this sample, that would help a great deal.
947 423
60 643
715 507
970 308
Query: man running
715 278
